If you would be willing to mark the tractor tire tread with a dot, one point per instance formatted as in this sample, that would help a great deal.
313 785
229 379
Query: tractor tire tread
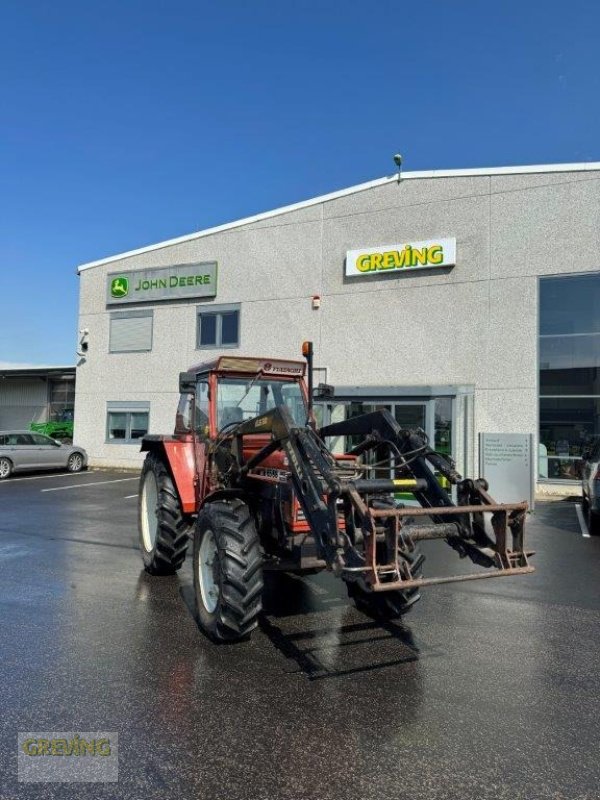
173 533
240 566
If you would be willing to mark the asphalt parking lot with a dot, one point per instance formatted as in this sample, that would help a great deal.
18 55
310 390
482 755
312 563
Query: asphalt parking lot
487 690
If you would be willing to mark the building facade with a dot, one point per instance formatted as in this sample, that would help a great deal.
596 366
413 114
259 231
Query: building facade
466 301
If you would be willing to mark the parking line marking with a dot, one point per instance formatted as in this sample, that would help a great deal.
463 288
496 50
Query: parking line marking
45 477
129 496
582 525
83 485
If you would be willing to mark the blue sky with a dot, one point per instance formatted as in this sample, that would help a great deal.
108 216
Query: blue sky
124 123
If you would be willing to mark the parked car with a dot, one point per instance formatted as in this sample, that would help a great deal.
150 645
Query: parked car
591 487
21 451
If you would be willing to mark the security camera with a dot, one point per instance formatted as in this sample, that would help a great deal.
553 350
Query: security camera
83 342
398 160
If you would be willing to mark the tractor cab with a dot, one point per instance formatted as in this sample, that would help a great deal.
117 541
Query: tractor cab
217 395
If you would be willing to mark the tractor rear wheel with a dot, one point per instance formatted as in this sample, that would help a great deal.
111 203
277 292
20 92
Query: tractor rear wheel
164 532
228 575
389 605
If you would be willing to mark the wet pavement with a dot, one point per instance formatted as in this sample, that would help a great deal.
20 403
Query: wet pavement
488 690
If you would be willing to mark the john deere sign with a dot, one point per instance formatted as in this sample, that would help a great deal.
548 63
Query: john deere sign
163 283
405 257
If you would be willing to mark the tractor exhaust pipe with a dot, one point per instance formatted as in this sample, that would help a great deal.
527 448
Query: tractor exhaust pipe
307 352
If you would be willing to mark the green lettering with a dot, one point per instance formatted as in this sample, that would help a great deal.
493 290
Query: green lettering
59 747
173 281
103 747
29 747
87 748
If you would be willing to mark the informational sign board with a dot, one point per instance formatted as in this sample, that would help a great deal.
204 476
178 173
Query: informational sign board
376 261
506 462
162 283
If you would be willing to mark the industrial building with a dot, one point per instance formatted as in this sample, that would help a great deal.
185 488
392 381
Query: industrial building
465 301
36 394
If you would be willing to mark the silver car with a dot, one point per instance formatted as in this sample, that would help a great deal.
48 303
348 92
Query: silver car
591 487
21 451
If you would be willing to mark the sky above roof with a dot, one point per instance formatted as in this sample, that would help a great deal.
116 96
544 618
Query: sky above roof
124 124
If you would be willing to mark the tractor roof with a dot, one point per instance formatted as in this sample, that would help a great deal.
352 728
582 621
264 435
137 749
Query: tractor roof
268 366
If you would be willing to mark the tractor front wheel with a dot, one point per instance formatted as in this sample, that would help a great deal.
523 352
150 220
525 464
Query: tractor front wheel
164 532
228 579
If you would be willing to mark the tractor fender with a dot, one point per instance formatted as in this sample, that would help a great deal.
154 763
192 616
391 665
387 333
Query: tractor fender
225 494
178 456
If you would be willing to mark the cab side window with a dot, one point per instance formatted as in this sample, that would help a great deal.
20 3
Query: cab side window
183 420
201 421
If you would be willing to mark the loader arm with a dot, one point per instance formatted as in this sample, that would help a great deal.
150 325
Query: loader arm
372 527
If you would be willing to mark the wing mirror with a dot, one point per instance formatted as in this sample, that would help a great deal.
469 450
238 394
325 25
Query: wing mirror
324 391
187 382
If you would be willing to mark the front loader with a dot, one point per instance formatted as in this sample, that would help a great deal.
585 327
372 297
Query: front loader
251 478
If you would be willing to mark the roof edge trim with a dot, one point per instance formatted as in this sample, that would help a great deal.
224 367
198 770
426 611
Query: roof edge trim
360 187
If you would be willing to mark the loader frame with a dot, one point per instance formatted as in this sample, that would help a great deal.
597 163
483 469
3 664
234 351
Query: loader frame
350 523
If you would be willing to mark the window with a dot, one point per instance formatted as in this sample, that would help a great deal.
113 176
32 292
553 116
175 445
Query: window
130 331
42 441
15 439
239 399
219 327
569 369
62 399
126 423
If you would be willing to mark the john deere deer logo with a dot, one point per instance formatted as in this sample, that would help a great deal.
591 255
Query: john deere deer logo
119 287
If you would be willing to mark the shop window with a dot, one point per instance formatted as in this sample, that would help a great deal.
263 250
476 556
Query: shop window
569 373
126 424
130 331
218 327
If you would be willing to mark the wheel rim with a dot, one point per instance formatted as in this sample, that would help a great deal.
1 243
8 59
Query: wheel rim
149 511
206 567
75 462
4 468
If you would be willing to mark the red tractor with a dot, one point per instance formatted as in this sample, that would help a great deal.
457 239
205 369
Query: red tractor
251 478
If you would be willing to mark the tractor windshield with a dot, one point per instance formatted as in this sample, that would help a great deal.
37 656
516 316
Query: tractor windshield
240 399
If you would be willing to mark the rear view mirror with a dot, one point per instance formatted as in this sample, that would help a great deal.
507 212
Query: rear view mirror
187 382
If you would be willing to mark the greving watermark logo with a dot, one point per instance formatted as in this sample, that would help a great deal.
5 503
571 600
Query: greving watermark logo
68 757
